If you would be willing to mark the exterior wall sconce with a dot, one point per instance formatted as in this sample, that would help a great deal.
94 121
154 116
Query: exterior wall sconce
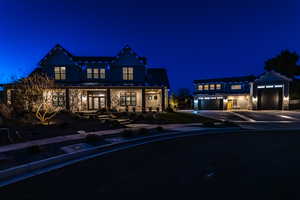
225 100
286 98
254 99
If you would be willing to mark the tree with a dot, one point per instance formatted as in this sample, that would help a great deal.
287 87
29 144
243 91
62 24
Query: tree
33 94
184 98
284 63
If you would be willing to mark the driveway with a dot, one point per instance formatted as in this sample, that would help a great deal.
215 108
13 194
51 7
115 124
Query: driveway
257 119
252 116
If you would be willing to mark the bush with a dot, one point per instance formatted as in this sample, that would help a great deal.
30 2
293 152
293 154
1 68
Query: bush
143 131
169 109
113 123
208 124
127 133
160 129
6 111
93 138
34 149
64 125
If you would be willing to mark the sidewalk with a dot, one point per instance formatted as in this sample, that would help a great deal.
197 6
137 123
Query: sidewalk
171 127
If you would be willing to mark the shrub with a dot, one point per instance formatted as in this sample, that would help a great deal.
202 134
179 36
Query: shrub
208 124
64 125
6 111
113 123
34 149
169 109
143 131
127 133
93 138
160 129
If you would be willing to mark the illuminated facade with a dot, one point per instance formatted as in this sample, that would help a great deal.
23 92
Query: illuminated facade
270 91
91 83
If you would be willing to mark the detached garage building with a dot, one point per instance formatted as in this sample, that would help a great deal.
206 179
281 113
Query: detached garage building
270 91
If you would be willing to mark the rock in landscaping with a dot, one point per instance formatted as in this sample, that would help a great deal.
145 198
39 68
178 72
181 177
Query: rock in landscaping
81 132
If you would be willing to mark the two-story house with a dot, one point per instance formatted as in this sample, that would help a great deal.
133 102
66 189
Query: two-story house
222 93
269 91
90 83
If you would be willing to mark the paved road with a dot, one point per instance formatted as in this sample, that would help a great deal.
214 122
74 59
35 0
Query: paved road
231 166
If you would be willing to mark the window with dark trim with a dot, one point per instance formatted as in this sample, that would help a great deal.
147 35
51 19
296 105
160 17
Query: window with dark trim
95 73
127 73
58 99
128 98
236 87
200 87
60 73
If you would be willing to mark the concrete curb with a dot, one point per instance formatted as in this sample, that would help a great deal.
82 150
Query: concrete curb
18 173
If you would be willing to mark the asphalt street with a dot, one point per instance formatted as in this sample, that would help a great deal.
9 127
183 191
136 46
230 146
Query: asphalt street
226 166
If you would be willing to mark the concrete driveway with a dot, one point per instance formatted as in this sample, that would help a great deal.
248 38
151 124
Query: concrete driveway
256 119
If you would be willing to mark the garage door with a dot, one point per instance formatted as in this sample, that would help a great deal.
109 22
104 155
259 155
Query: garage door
210 104
270 99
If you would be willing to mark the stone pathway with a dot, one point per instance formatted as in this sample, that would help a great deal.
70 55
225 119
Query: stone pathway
171 127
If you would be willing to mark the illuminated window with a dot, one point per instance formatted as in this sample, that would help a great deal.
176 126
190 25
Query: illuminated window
95 73
127 73
206 87
102 73
218 86
58 99
200 87
128 99
60 73
212 86
236 87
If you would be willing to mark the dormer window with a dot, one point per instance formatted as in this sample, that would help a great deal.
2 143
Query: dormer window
60 73
127 73
95 73
236 87
206 87
200 87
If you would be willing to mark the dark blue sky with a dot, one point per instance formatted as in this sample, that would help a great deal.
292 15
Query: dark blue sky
192 39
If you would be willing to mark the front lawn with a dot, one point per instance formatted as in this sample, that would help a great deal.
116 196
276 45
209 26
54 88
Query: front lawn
177 117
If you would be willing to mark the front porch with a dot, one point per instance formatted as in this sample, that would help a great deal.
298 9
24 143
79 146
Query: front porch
126 99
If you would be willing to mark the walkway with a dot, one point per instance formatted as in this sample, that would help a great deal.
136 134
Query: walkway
171 127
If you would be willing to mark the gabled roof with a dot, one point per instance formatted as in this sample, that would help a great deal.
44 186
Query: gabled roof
272 76
157 77
56 47
228 79
93 58
125 50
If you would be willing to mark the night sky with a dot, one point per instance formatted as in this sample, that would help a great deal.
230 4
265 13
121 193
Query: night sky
192 39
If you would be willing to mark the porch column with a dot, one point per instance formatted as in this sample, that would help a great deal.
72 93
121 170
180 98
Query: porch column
108 99
5 96
143 100
67 99
163 99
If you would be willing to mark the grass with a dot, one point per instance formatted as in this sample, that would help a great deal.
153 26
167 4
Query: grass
177 117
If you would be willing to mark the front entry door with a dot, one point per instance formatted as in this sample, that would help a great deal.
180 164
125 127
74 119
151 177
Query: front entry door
229 104
96 101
